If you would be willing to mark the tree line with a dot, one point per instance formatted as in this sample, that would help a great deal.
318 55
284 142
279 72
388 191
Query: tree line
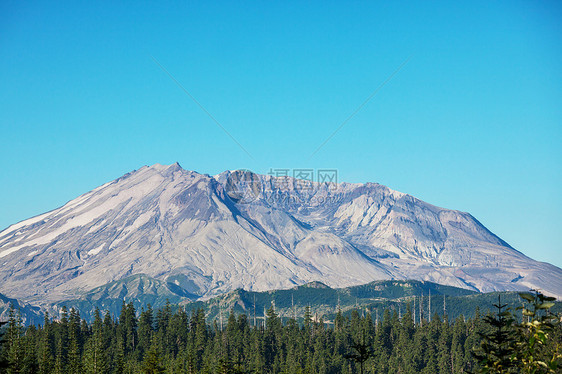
174 341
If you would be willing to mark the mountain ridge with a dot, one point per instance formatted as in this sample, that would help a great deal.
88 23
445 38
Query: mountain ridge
274 232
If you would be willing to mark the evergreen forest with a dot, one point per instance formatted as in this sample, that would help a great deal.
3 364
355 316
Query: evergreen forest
173 340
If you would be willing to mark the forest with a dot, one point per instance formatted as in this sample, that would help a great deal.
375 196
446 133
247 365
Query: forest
171 340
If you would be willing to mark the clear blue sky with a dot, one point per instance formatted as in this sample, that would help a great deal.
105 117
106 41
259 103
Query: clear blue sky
472 122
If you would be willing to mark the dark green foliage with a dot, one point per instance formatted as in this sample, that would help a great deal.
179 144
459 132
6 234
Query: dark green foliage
497 350
530 346
3 361
95 357
379 295
15 344
362 352
539 336
152 363
364 340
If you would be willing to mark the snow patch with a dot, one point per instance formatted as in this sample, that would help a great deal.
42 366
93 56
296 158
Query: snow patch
142 219
95 251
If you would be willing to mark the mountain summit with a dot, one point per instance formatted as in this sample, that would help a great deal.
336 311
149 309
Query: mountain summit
211 234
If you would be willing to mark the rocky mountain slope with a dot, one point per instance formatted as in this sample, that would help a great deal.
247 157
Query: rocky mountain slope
208 235
29 314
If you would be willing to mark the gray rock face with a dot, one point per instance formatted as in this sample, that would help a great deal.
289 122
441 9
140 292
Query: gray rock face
29 314
192 230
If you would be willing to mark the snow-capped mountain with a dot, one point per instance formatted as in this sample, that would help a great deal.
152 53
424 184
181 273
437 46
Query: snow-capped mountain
212 234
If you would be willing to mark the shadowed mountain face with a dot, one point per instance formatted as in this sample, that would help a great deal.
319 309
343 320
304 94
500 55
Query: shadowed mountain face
28 314
209 235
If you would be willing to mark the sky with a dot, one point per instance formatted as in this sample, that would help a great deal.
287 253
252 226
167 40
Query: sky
465 108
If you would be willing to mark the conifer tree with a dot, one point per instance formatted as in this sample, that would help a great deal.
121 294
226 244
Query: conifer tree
458 337
200 334
16 352
128 327
152 363
145 330
3 346
45 346
29 343
361 353
444 351
61 337
74 340
496 353
272 336
119 356
307 317
177 332
95 359
163 318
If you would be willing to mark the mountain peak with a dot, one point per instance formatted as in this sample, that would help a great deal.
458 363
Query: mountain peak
176 166
160 167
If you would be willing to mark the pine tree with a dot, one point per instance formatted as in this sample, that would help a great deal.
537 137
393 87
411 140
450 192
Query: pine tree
177 332
95 360
234 336
145 330
4 364
16 352
200 334
457 345
61 337
45 347
307 317
361 353
163 318
128 327
444 351
152 363
29 343
272 337
119 356
498 346
74 342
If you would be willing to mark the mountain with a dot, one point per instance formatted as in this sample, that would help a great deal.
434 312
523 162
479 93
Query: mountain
29 314
209 235
375 297
139 289
323 299
142 290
